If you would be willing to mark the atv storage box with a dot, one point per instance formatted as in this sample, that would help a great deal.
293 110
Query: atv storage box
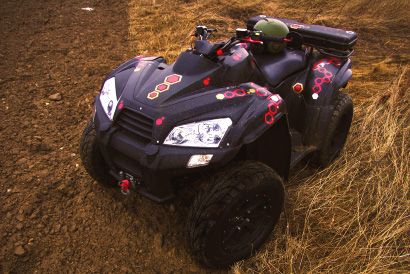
315 35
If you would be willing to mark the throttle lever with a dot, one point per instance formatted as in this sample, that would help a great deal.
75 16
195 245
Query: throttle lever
251 41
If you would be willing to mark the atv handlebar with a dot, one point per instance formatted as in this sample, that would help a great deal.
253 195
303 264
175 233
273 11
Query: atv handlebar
241 36
203 33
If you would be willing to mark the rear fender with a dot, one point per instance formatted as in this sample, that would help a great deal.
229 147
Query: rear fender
328 76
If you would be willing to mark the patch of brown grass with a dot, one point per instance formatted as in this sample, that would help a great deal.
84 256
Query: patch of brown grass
355 215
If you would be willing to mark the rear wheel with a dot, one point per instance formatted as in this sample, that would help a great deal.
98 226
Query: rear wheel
337 131
92 158
231 219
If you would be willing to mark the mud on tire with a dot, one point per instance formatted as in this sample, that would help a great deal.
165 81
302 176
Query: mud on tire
231 218
92 158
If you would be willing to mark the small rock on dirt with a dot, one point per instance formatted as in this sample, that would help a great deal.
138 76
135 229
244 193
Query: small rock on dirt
55 97
20 217
19 250
158 240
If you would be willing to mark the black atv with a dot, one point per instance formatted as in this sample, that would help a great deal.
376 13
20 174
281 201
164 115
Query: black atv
228 111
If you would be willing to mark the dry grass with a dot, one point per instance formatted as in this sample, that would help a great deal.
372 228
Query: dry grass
355 215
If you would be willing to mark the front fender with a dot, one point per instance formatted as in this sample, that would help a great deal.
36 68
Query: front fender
122 72
263 132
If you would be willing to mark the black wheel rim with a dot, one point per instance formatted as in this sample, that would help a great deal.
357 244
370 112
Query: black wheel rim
249 221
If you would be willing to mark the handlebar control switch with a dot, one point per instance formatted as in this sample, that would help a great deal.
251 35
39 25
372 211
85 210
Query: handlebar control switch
241 33
201 30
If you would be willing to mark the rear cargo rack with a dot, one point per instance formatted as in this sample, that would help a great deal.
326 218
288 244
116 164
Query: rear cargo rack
329 41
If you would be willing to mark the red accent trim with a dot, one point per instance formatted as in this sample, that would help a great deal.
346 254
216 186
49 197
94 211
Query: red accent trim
173 78
229 94
251 41
206 81
121 104
240 92
219 52
125 185
159 121
269 118
317 89
297 88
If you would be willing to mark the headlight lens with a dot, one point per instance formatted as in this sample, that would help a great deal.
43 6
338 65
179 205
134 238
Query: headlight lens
108 97
202 134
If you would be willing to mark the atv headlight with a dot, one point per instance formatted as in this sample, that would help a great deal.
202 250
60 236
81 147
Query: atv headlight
202 134
108 97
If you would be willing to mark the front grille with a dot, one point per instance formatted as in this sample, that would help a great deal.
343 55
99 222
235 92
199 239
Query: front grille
137 125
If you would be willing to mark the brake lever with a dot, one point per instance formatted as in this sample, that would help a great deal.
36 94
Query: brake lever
251 41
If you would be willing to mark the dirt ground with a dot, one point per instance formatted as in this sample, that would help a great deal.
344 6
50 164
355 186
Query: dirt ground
54 218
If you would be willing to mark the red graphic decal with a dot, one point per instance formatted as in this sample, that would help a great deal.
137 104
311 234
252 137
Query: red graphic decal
152 95
159 121
229 94
206 81
234 93
121 104
273 108
320 66
260 91
269 118
173 78
162 87
239 92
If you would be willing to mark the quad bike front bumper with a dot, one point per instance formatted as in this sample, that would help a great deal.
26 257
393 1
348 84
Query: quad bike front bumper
152 164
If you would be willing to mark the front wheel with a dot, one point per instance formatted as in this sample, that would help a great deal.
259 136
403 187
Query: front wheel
92 158
231 219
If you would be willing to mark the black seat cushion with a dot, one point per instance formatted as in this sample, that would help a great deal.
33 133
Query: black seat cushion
277 67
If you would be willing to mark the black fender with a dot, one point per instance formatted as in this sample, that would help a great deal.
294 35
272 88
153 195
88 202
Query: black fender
263 132
272 147
260 124
123 71
327 77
